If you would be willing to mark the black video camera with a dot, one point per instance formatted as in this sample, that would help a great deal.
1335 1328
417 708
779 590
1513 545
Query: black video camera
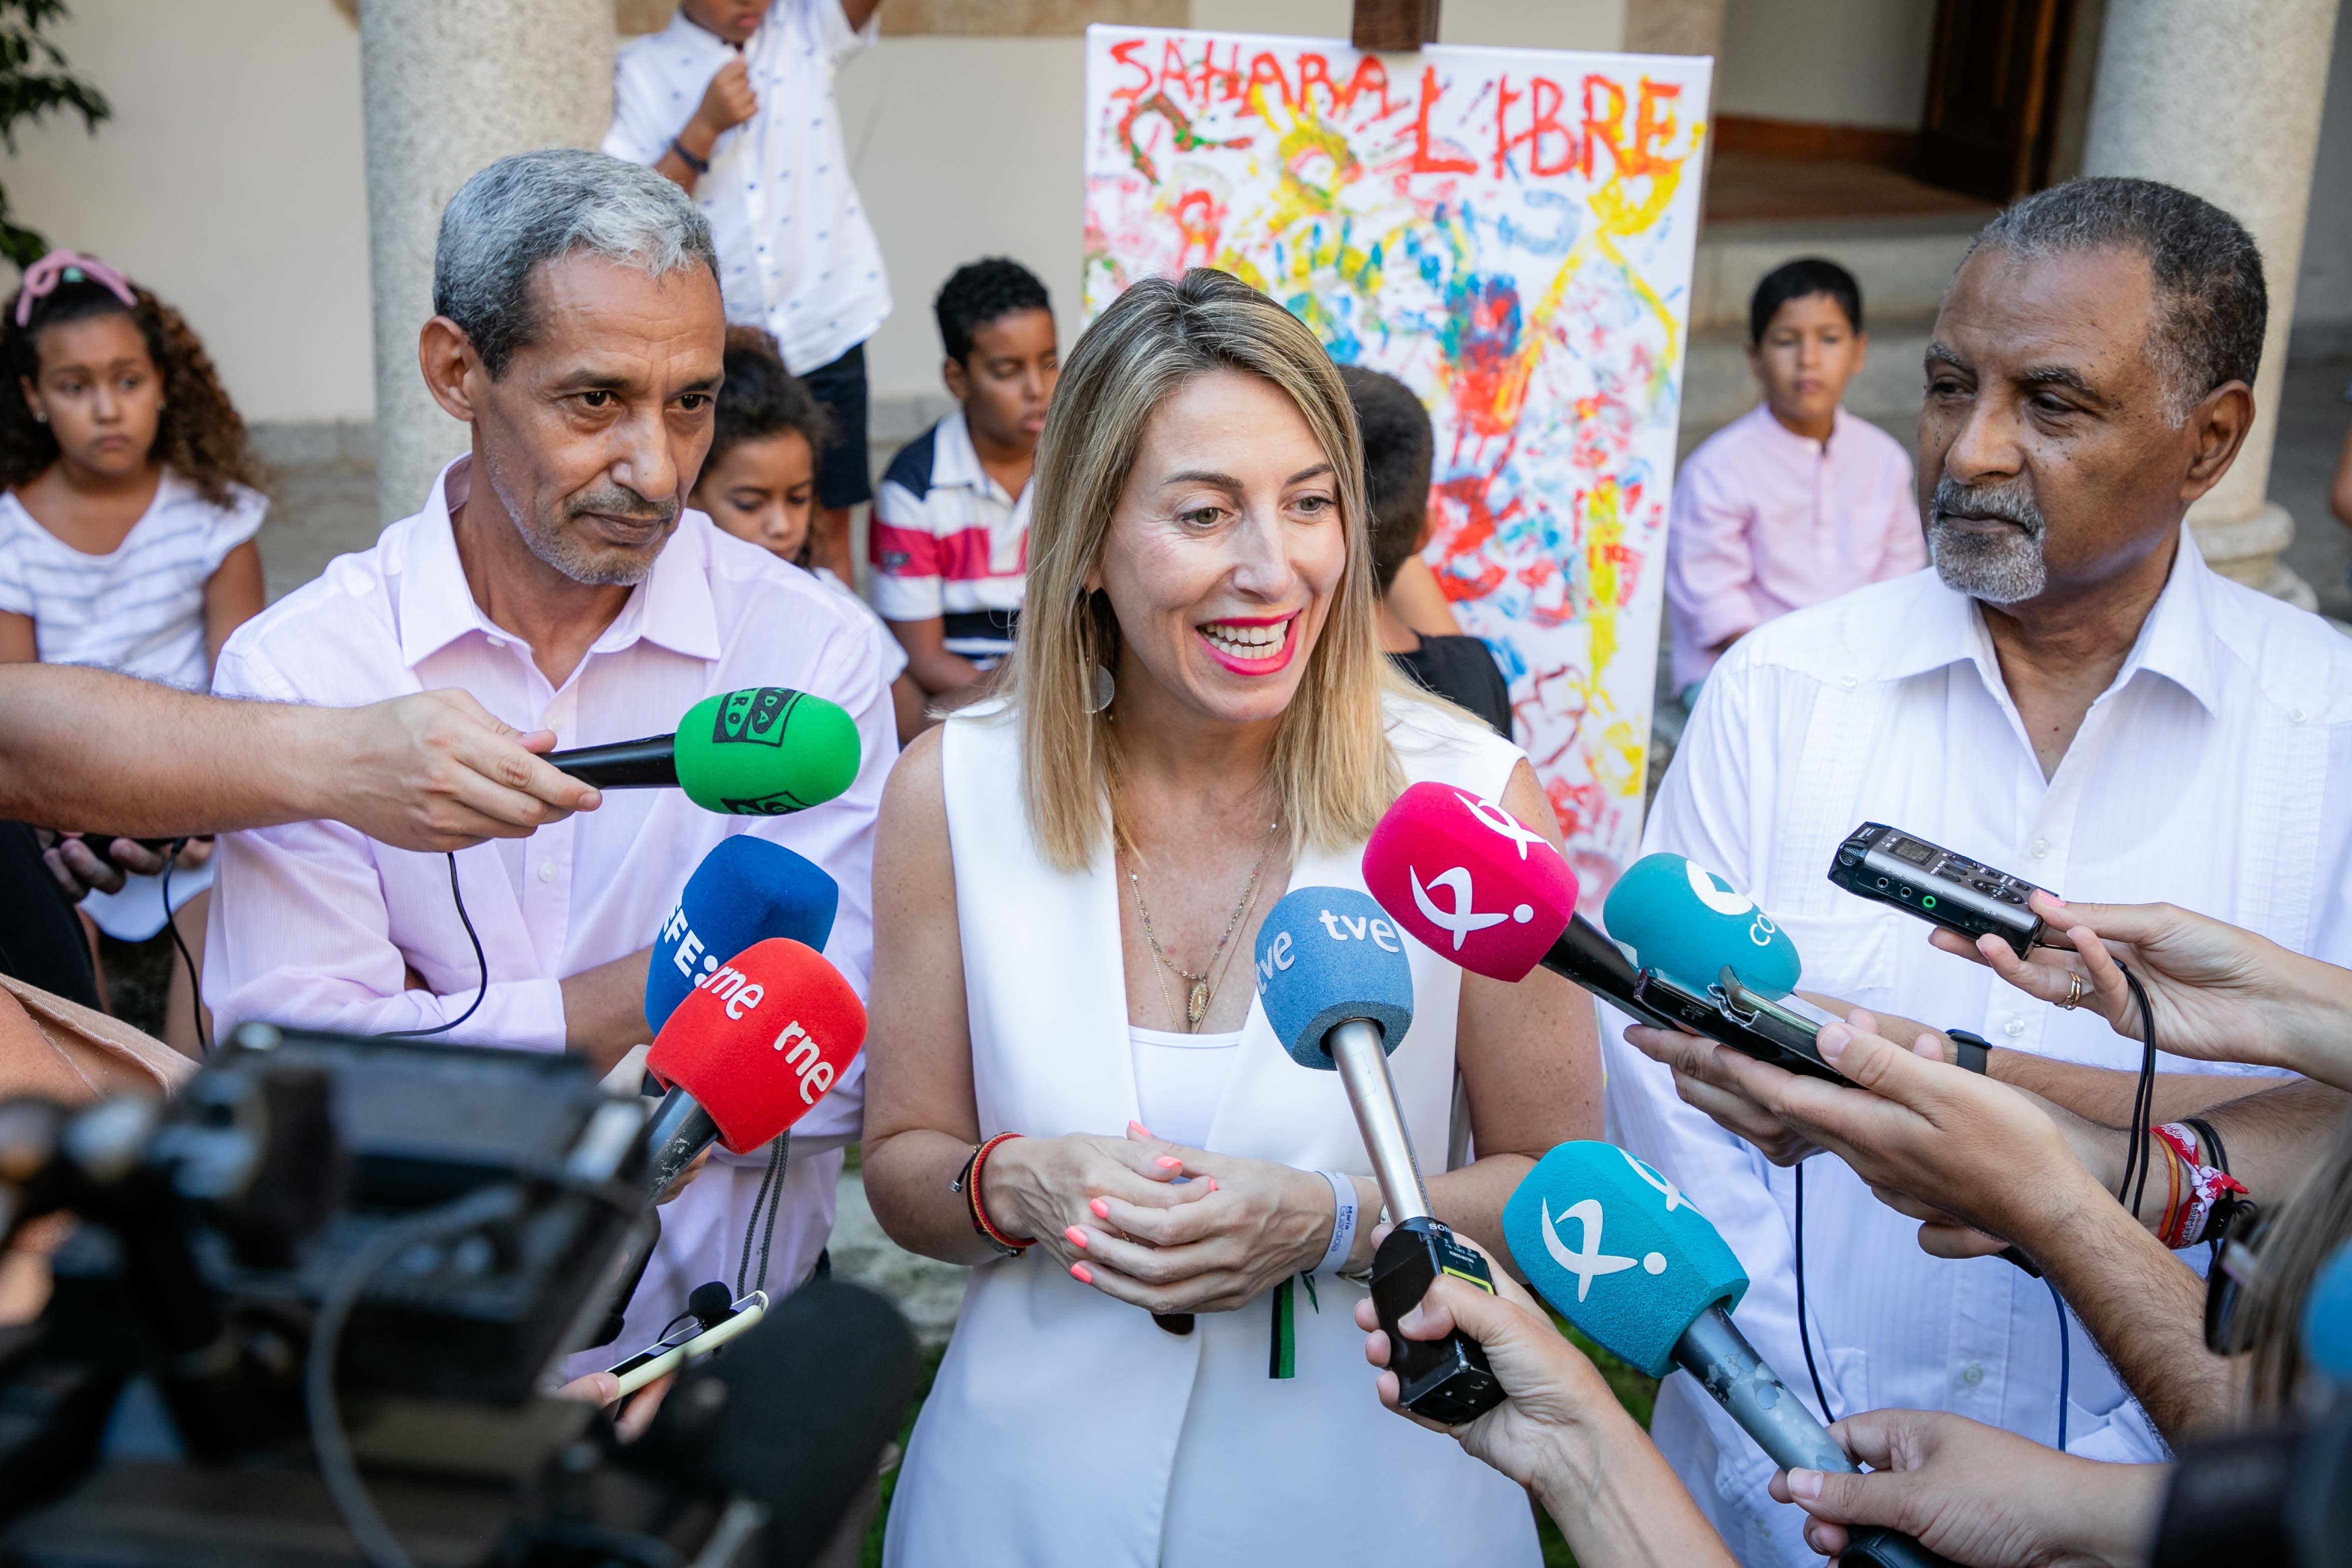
349 1267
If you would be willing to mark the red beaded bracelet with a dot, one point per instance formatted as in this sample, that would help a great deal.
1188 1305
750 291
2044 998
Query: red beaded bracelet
979 1220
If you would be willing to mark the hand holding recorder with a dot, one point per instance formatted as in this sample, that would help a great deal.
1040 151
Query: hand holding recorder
2217 992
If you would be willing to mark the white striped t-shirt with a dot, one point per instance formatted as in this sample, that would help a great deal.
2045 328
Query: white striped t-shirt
141 609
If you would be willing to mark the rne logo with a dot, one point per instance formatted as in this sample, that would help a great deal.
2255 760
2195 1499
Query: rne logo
806 1059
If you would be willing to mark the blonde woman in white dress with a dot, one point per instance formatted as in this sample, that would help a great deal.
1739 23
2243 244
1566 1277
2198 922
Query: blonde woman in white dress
1156 1361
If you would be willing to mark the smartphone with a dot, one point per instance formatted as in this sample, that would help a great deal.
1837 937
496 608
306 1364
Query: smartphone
689 1343
1771 1033
1903 870
1746 1021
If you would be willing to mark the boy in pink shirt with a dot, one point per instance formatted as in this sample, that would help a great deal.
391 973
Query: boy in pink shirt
1797 500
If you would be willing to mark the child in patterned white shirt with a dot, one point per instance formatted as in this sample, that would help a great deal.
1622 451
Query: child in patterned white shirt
129 502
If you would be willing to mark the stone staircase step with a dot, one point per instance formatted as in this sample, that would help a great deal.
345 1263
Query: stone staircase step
1902 263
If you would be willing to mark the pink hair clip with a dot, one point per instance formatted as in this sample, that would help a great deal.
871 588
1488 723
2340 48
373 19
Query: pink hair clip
43 276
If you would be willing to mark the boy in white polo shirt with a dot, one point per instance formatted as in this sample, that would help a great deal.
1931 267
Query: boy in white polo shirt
734 101
950 535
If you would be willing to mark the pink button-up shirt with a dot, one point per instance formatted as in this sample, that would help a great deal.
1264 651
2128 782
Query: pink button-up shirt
314 924
1765 522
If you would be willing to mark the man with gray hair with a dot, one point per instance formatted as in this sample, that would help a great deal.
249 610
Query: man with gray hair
2069 694
554 572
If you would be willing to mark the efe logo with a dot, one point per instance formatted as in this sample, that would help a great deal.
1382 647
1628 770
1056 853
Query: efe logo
689 947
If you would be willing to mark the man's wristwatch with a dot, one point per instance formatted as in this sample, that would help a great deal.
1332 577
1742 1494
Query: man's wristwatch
1970 1051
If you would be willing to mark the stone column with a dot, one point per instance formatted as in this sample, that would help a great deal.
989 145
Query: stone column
450 86
2224 98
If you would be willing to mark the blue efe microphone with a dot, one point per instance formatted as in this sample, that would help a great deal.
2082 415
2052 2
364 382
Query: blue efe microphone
1618 1250
1337 987
745 891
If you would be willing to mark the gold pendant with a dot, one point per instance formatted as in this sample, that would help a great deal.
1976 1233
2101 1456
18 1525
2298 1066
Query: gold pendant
1199 1002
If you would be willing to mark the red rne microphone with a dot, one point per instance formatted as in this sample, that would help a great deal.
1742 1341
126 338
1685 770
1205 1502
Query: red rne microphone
753 1048
1474 883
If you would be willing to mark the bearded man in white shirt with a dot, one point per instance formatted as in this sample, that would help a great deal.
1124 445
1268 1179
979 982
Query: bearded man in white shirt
555 574
2070 694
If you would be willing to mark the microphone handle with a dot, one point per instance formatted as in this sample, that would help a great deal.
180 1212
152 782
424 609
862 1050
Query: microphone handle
1717 1355
1586 956
648 763
678 1130
1362 1058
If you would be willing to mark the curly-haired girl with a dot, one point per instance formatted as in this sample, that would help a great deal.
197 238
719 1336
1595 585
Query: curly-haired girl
759 483
129 499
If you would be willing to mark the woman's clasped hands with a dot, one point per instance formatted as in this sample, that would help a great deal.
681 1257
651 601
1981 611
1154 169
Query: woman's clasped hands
1159 1226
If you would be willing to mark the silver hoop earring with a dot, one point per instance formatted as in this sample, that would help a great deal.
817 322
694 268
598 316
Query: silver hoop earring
1104 690
40 418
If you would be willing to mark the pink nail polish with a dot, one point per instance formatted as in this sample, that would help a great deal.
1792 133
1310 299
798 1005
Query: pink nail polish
1079 1273
1074 1237
1102 1209
1168 1162
1212 1184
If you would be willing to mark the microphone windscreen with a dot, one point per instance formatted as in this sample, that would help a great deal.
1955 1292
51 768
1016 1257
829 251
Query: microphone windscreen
758 1042
1687 923
1470 880
802 1406
1619 1251
765 751
2327 1318
747 889
1325 955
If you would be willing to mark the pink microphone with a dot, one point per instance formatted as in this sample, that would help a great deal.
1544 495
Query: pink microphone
1471 880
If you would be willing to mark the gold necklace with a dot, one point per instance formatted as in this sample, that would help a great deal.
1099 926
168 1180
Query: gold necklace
1203 989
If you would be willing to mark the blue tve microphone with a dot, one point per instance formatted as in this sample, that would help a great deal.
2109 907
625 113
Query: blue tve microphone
746 891
1619 1252
1337 990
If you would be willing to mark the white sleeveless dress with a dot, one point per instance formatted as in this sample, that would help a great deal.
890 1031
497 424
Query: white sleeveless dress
1069 1430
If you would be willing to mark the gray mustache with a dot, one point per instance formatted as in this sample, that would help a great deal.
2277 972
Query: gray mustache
626 505
2009 503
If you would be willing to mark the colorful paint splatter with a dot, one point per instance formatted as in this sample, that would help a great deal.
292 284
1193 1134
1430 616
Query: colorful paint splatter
1509 231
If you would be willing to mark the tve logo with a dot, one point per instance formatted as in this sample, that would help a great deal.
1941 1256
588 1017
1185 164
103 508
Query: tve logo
1281 952
806 1059
1463 917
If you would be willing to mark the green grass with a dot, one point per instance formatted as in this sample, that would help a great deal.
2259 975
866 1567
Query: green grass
1635 1389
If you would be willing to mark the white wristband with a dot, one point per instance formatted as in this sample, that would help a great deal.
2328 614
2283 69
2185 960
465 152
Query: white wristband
1343 1223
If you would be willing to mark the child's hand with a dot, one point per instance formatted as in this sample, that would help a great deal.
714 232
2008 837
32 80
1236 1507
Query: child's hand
728 100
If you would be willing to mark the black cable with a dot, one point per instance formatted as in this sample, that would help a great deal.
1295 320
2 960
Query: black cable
772 1184
480 963
172 925
2143 1102
2065 1361
1804 1334
374 1538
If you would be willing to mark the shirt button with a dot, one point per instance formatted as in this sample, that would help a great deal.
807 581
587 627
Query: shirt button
2014 1027
2041 850
547 870
1972 1374
2296 717
1849 682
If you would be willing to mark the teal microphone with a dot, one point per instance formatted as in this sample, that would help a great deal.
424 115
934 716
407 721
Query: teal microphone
1337 990
1687 923
1618 1250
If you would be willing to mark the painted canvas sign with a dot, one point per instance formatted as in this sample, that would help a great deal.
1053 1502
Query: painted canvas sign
1510 232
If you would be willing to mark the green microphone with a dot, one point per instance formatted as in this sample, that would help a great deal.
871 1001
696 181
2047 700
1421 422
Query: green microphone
764 750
